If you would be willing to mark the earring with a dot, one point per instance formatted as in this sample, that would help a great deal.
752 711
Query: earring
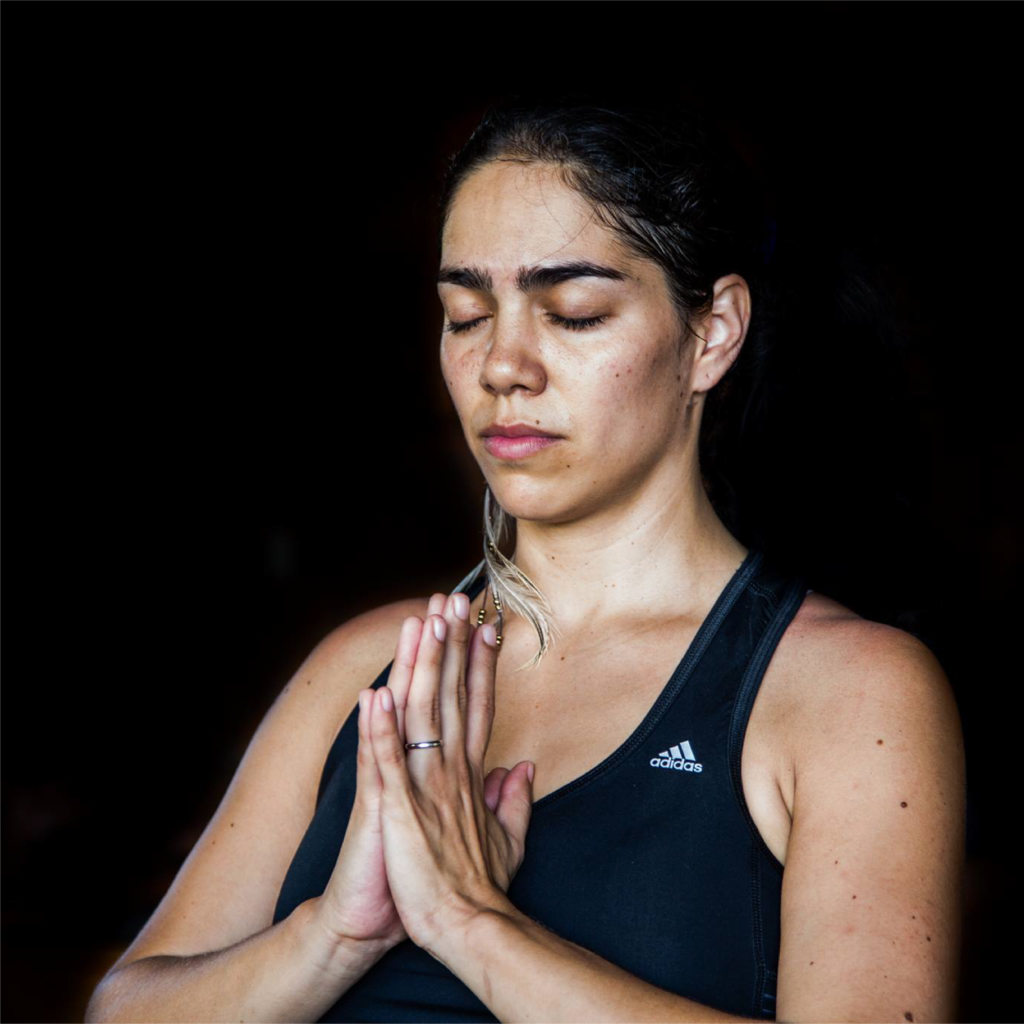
497 606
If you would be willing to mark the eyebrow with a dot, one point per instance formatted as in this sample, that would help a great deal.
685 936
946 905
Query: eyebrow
530 279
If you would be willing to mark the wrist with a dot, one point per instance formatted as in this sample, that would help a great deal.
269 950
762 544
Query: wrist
457 936
335 954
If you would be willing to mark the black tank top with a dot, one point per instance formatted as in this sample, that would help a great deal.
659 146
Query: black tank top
650 859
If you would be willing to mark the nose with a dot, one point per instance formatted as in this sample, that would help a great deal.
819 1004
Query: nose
512 358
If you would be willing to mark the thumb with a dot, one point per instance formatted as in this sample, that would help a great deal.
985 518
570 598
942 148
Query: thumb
516 802
492 787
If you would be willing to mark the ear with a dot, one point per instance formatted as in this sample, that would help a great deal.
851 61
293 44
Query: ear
721 333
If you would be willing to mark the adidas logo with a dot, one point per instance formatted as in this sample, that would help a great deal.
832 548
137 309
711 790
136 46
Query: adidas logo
679 757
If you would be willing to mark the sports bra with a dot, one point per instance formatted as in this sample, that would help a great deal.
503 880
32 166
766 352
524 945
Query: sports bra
650 859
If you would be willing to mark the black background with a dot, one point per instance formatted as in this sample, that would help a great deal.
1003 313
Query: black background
220 315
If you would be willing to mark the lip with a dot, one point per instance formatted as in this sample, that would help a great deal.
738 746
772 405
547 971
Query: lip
504 447
515 430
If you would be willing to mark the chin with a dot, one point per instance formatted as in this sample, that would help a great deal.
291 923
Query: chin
533 499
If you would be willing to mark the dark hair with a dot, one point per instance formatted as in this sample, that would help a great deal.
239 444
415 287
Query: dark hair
666 181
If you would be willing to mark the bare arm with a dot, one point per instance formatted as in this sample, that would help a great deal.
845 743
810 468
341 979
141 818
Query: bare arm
211 950
288 972
522 971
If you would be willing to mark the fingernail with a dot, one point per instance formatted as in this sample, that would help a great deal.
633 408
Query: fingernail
490 635
461 606
385 698
439 627
529 771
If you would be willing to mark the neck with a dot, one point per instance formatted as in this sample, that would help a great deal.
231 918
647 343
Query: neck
664 552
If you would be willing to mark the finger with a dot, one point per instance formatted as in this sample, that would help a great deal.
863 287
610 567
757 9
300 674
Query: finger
400 676
368 780
435 606
480 686
423 708
453 678
388 750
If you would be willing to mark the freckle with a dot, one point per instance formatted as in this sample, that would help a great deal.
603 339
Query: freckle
616 375
308 681
563 657
837 862
232 824
908 1015
903 803
812 963
928 937
854 897
913 917
879 742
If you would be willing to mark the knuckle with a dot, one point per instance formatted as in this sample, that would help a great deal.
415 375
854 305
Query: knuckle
429 707
391 755
405 660
463 776
459 636
485 703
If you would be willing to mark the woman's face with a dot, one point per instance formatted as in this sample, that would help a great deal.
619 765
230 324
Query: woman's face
614 390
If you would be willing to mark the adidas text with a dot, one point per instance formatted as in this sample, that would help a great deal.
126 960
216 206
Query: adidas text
678 756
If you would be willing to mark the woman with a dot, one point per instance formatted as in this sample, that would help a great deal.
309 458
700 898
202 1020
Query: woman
731 797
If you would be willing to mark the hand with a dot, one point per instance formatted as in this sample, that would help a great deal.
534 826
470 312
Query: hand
449 851
357 903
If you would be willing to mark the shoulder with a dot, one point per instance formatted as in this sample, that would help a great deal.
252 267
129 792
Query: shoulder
840 664
841 683
371 634
349 658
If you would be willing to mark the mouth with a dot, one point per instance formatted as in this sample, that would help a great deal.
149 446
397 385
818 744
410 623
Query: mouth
502 446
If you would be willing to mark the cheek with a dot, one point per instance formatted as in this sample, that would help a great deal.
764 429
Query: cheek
636 398
633 384
457 369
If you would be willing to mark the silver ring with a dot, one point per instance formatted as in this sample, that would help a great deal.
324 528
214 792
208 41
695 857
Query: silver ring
423 743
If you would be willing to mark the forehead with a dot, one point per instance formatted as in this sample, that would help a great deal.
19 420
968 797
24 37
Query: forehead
507 213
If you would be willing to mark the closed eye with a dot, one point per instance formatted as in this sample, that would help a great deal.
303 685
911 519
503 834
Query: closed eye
570 323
